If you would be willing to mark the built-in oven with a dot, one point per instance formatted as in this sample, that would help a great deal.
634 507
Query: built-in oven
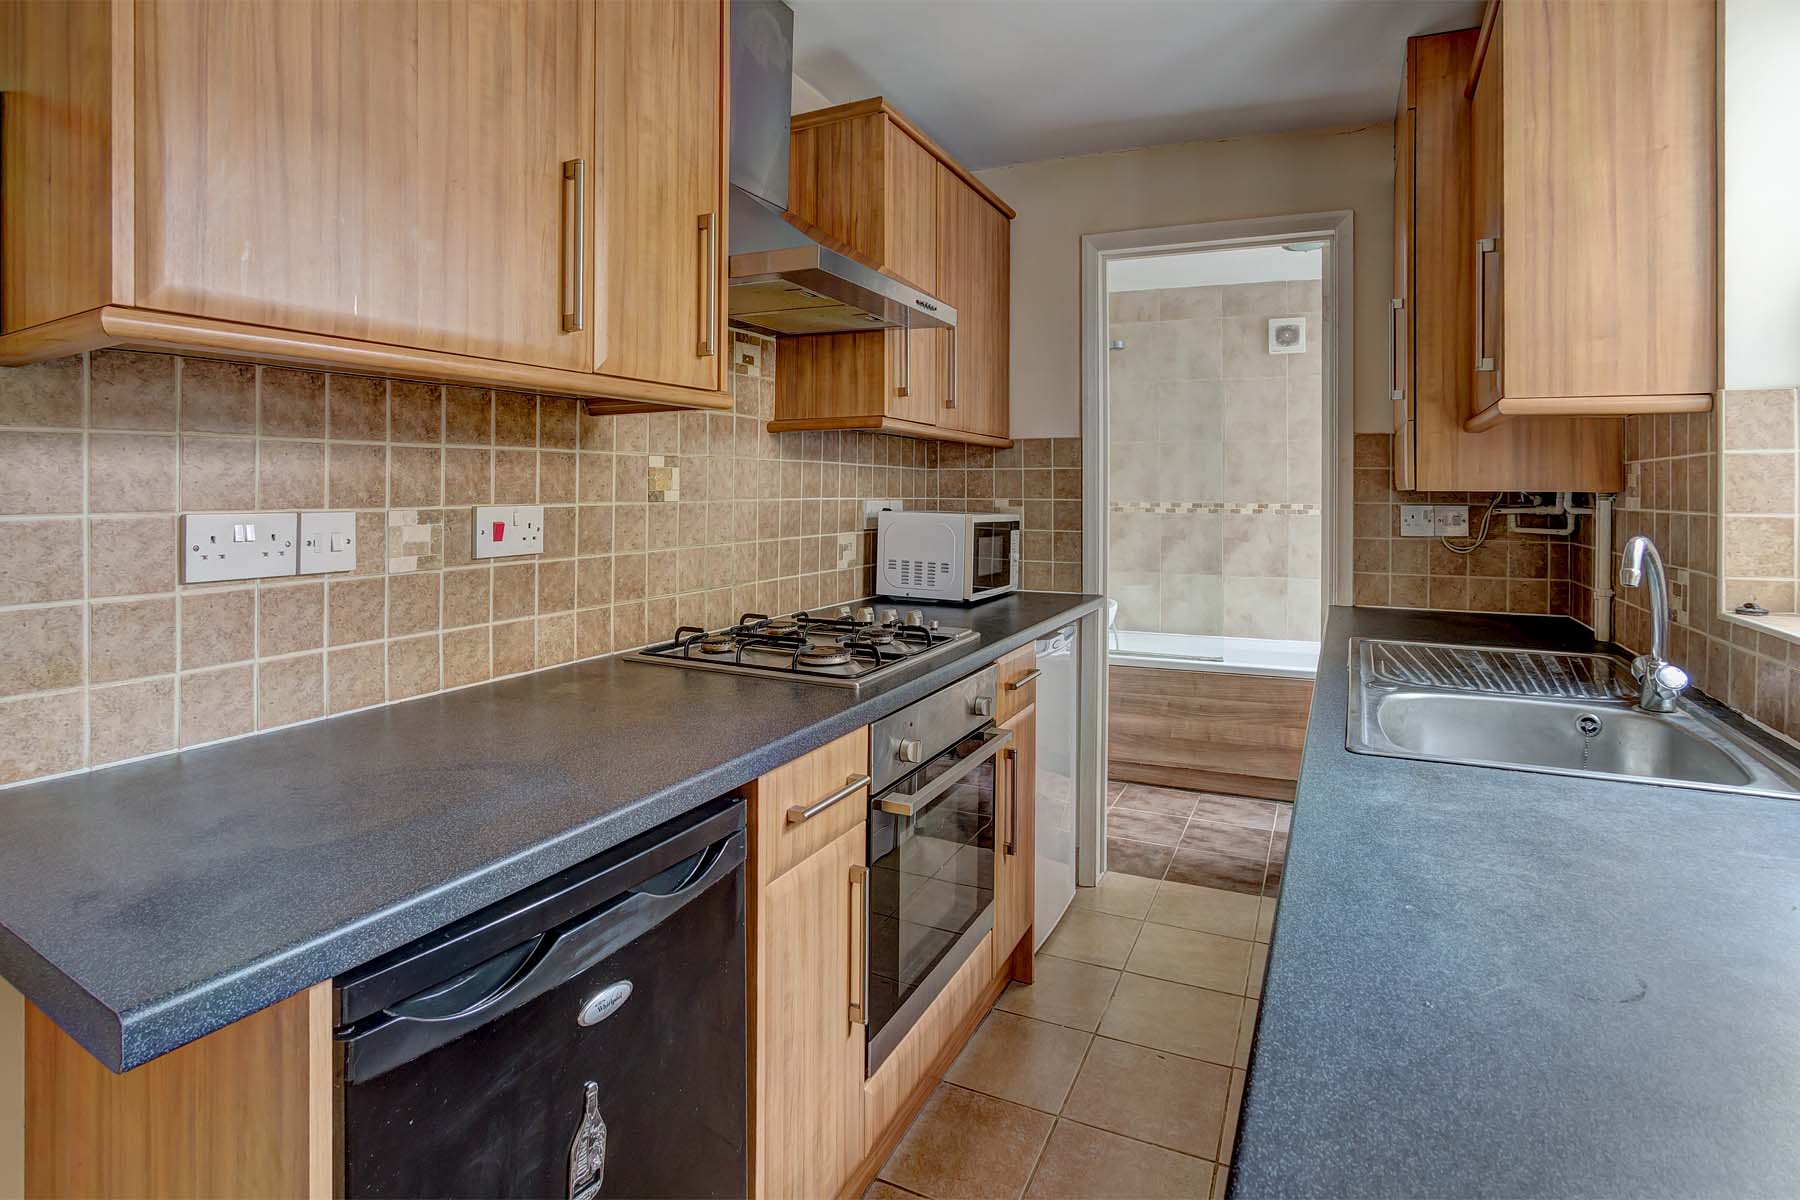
931 851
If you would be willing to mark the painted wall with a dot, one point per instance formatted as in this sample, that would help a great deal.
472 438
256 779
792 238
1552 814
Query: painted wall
1060 200
1762 178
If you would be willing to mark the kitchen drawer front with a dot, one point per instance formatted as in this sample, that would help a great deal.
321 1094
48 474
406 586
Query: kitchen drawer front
782 835
1017 683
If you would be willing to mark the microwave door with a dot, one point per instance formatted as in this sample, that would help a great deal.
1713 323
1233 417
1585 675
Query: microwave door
994 559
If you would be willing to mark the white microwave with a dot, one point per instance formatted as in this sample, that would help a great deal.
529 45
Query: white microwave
957 557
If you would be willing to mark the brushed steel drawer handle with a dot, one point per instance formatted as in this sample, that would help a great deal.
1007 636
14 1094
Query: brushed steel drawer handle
1012 800
1013 685
709 285
852 785
574 315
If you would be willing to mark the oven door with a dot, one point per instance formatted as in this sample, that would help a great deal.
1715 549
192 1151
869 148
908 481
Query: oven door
993 558
931 883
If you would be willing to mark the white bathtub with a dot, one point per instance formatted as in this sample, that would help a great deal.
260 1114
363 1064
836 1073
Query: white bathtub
1198 652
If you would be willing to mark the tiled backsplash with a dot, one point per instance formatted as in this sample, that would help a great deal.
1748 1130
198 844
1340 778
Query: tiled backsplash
1516 573
1217 461
103 656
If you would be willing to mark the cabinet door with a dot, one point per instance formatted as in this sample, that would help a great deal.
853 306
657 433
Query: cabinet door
810 952
1488 249
1400 306
974 270
918 373
389 172
1015 854
657 197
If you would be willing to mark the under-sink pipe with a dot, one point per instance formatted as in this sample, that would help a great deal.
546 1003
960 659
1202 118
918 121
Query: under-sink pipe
1564 508
1603 576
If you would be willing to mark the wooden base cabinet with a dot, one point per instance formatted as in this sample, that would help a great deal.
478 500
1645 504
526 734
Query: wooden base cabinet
484 192
865 180
1015 848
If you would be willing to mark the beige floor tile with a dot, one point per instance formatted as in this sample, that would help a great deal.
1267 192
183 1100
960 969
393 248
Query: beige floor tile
1064 991
1175 1017
1221 1174
1259 966
1234 1106
1209 909
1091 1164
1150 1095
1119 894
1098 938
1189 956
964 1144
1018 1059
1246 1033
1265 919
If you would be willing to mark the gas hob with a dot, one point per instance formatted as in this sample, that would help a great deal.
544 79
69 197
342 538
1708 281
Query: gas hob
845 646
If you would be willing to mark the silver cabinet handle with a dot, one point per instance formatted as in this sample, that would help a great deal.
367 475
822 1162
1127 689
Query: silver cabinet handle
1012 800
852 785
1483 248
955 368
709 285
859 937
1013 685
574 314
1394 307
905 357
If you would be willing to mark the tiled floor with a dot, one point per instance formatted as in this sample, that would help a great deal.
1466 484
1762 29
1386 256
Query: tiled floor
1119 1071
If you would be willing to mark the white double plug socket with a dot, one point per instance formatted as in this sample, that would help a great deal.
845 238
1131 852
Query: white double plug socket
216 547
1427 520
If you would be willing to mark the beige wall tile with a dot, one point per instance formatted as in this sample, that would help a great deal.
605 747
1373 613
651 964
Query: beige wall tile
40 561
292 403
40 649
1756 420
514 647
130 556
289 690
217 627
466 597
555 639
1754 483
556 586
468 476
218 474
356 611
358 676
559 531
41 735
468 416
290 618
466 656
415 412
556 477
290 475
515 419
515 591
46 393
40 472
1759 547
131 719
415 477
412 603
412 666
131 472
356 407
129 390
515 477
129 639
217 397
358 477
558 422
217 704
593 632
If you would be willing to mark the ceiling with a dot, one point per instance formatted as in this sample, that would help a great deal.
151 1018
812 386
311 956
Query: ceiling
1006 81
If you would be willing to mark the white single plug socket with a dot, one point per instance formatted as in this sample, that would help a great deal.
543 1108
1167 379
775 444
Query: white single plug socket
1417 520
502 531
1450 520
327 542
873 508
220 546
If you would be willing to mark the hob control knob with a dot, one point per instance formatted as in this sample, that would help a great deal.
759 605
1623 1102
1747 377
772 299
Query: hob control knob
843 612
866 615
914 617
911 750
982 706
889 616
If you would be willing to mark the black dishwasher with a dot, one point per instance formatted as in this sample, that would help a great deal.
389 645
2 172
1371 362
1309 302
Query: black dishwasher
584 1038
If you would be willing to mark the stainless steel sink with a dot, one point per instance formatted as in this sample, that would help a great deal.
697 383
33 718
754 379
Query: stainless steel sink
1564 714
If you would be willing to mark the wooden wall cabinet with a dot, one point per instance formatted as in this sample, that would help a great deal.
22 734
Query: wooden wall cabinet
1556 249
487 192
807 940
865 180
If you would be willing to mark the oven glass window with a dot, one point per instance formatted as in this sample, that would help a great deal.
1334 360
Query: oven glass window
931 877
993 554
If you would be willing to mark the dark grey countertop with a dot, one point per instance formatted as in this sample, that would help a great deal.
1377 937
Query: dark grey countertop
1499 983
146 905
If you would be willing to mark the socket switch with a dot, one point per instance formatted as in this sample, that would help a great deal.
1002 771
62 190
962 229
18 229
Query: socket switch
327 542
502 531
1450 520
221 546
1417 520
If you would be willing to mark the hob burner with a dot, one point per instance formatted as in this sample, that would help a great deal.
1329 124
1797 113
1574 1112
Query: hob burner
777 625
825 656
718 644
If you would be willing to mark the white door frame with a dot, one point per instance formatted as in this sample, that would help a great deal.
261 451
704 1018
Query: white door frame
1337 230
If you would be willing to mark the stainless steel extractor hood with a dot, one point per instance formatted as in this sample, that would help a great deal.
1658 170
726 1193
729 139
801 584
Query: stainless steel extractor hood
782 281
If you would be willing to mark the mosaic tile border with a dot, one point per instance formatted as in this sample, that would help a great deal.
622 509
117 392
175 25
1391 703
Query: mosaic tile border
1211 506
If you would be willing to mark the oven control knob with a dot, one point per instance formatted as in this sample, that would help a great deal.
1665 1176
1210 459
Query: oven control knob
889 616
982 706
914 617
911 750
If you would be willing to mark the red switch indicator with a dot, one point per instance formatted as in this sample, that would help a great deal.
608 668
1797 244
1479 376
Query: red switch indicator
499 532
